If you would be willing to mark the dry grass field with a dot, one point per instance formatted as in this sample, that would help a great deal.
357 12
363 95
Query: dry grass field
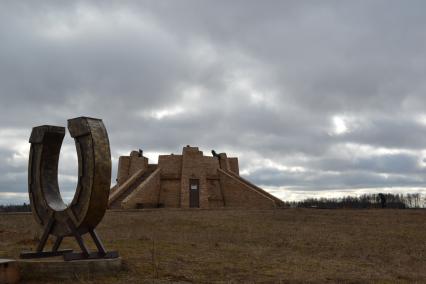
233 246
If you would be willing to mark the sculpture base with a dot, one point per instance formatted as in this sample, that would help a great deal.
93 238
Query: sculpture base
57 268
9 271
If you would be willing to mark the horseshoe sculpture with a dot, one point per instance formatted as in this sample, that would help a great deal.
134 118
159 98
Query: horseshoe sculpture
90 201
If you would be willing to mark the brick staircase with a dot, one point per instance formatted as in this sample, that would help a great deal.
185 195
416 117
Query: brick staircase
278 202
116 204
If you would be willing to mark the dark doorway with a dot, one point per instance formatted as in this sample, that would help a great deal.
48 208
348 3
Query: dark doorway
194 193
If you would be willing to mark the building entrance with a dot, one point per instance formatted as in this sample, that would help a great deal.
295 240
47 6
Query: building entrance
194 193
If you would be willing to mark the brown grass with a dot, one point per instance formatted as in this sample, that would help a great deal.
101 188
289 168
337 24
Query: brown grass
232 246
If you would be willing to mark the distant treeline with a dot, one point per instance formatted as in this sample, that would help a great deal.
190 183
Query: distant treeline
15 208
381 200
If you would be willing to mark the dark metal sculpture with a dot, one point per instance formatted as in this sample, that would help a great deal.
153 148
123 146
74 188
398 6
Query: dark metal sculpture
91 197
215 154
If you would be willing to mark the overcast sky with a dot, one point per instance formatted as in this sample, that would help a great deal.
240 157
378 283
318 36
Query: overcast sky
316 98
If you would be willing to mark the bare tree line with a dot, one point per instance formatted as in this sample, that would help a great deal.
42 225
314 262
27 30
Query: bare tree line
15 208
380 200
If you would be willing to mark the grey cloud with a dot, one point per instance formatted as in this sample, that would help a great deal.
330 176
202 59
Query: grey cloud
314 181
392 164
258 79
391 131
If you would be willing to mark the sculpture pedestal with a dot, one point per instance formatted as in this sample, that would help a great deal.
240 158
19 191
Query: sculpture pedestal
57 268
9 271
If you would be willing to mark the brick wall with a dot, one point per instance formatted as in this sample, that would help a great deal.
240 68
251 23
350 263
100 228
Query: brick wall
170 193
224 162
137 162
128 165
171 165
233 165
215 193
123 169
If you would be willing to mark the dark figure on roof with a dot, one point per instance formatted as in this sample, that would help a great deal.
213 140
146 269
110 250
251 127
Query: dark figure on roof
215 154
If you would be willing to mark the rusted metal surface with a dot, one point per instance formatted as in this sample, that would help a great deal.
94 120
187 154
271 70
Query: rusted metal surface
90 201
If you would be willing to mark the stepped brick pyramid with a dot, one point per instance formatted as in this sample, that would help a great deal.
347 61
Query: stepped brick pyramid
190 180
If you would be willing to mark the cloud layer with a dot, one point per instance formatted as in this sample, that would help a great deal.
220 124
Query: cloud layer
313 97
